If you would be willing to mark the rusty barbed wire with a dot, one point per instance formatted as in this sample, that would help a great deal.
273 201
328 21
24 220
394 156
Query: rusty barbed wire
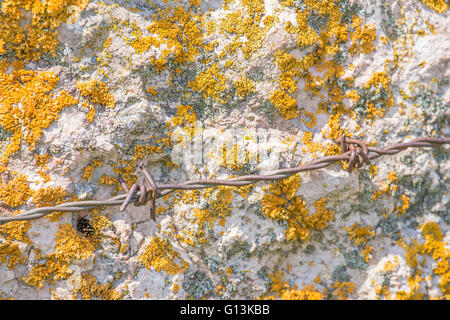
355 152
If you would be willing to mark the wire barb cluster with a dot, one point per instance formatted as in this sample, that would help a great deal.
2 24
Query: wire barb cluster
355 152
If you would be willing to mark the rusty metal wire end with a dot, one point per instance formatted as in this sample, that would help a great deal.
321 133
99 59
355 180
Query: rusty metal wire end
354 151
357 150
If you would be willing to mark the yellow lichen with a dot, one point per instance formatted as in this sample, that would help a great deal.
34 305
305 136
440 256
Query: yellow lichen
437 250
404 205
360 235
90 289
280 203
16 192
89 169
440 6
244 86
29 27
285 104
160 256
12 235
282 290
342 290
28 106
211 83
97 92
363 39
70 247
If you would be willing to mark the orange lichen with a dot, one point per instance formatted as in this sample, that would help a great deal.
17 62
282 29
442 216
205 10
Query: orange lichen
285 104
440 6
360 235
437 250
89 169
363 39
89 288
211 83
16 192
29 27
91 111
12 235
342 290
48 197
70 247
280 203
404 205
244 87
29 107
97 92
160 256
282 290
387 186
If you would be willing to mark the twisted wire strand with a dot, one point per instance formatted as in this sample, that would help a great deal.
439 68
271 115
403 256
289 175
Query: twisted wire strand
355 152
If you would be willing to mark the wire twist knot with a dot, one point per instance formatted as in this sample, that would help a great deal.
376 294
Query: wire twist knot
355 152
145 195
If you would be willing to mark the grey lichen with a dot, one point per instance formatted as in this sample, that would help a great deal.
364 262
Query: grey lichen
197 284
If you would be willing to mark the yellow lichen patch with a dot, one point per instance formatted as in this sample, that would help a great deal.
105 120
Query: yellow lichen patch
440 6
70 247
107 180
244 87
179 31
211 83
342 290
91 111
142 151
381 82
434 247
91 289
97 92
48 197
152 91
361 235
280 203
404 205
285 104
185 117
373 170
27 106
11 235
175 288
437 250
244 29
219 200
16 192
309 119
42 162
382 291
363 39
89 169
126 168
282 290
99 222
307 293
414 292
391 265
387 186
29 27
160 256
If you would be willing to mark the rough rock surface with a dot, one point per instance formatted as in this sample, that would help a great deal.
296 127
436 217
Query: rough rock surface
202 89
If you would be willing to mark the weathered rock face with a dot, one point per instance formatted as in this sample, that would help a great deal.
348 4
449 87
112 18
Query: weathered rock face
216 89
